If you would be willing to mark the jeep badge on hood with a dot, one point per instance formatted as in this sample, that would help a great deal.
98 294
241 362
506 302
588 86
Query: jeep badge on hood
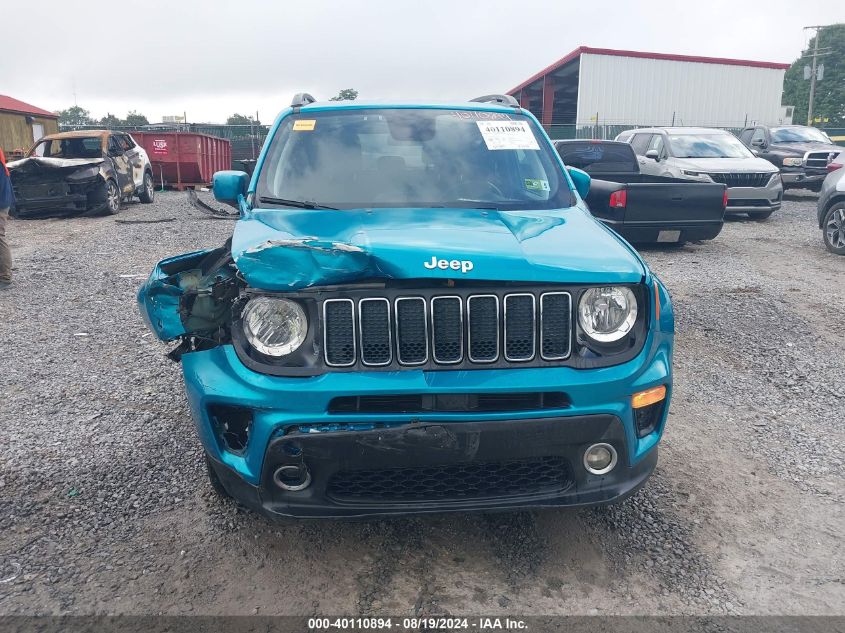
464 265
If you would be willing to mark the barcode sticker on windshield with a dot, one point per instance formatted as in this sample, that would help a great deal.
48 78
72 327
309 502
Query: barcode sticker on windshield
507 135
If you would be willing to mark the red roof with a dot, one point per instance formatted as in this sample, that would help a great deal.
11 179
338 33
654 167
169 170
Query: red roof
13 105
617 53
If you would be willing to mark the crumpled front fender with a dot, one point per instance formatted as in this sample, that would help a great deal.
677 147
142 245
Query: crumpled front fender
189 294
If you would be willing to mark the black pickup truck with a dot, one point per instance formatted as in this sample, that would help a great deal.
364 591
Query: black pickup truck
640 207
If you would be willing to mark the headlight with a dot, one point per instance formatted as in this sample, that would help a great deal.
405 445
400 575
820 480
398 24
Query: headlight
692 174
275 327
607 314
793 162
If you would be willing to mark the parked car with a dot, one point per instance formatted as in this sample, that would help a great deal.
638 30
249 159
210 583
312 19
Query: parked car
410 317
707 155
640 207
832 206
85 171
799 151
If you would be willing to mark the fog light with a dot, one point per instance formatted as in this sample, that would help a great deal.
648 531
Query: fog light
600 459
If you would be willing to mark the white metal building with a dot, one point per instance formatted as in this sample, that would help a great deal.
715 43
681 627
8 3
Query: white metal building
599 86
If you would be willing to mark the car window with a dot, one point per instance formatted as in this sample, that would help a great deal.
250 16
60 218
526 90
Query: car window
79 147
114 145
759 135
745 136
640 143
656 144
127 141
798 134
398 157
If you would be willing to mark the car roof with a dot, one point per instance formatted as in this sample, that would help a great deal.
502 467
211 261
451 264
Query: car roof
678 131
77 134
428 105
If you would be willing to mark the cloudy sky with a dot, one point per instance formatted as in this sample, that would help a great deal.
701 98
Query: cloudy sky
211 58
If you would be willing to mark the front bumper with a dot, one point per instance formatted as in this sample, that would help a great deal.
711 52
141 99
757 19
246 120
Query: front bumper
755 199
286 409
442 466
798 177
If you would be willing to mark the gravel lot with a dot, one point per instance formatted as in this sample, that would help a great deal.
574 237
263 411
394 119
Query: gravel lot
106 507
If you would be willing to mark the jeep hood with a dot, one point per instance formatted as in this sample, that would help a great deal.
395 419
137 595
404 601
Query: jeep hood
288 249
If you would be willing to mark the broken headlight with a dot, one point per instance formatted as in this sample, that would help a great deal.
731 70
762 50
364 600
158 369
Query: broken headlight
274 327
607 314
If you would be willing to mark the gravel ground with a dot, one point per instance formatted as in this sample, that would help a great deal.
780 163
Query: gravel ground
106 508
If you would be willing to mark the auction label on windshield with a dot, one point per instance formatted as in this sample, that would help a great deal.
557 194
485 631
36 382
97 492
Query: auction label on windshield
507 135
304 125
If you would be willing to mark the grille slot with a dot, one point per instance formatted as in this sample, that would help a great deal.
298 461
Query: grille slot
483 313
555 325
374 326
750 179
520 326
339 332
447 329
474 480
411 331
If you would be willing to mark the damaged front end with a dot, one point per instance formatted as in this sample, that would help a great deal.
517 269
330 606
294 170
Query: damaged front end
191 297
45 186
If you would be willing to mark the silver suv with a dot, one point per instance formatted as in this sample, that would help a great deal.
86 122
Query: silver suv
708 155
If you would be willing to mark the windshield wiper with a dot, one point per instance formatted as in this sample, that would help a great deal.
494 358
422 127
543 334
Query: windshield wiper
299 204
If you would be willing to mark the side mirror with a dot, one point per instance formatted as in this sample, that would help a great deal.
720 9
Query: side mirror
581 179
228 185
653 154
758 142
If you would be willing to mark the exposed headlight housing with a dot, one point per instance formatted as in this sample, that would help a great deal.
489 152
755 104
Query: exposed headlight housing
793 162
607 314
274 327
692 174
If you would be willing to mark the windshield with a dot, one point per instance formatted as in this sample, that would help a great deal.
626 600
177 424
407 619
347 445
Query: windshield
412 158
707 146
82 147
798 135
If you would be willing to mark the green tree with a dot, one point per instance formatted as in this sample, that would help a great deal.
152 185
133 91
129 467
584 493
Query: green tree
75 115
240 119
110 121
829 101
347 94
135 119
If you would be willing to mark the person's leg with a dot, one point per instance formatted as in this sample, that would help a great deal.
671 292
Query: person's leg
5 253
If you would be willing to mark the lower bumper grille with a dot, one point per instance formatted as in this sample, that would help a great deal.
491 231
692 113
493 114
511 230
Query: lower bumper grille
452 481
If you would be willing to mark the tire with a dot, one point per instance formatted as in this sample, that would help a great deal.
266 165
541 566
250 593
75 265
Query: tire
113 198
760 215
148 189
214 480
833 229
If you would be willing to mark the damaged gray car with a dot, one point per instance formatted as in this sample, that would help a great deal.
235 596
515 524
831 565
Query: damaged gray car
91 171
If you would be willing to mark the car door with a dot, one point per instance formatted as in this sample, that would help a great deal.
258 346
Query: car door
136 161
640 143
760 142
122 168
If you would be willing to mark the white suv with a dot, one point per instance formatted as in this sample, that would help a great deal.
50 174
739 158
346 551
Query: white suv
708 155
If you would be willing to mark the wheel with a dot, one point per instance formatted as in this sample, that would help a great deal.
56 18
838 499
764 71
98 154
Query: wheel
759 215
112 198
214 480
833 229
148 189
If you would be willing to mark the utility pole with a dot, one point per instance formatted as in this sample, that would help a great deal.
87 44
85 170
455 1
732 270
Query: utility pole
813 74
